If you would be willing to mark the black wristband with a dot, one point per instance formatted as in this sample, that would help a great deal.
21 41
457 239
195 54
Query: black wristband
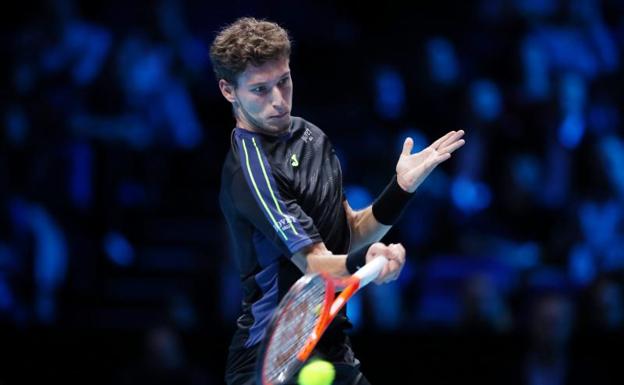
356 260
389 205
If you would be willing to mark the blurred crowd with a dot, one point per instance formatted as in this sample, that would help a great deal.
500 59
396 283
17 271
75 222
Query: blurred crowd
114 132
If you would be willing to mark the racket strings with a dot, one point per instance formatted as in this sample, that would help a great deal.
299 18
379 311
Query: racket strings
297 322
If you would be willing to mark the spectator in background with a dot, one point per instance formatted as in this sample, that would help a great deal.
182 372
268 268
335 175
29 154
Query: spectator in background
549 359
470 192
600 214
37 233
484 309
81 47
606 306
172 19
156 110
163 361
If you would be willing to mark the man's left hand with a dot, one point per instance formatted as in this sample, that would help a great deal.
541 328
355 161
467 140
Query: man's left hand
413 169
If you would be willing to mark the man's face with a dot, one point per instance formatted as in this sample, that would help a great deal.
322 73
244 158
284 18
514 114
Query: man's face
262 98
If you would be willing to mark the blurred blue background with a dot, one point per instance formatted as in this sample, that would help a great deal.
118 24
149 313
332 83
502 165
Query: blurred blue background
114 261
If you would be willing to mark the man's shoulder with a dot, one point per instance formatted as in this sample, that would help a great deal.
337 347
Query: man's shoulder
230 183
299 123
231 167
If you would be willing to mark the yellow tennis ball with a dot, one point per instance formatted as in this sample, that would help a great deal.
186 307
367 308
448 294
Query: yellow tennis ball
317 372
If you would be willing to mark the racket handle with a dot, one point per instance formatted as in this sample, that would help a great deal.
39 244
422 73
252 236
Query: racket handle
371 270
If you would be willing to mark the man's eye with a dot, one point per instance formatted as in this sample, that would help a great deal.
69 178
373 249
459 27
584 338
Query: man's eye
258 90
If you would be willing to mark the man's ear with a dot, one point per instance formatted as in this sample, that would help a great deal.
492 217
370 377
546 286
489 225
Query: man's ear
227 89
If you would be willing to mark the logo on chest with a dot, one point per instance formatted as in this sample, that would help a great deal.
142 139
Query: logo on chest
307 136
293 160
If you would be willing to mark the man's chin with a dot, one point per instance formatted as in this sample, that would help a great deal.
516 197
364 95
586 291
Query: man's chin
279 127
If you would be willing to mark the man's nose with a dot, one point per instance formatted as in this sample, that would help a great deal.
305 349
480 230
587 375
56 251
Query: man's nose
277 99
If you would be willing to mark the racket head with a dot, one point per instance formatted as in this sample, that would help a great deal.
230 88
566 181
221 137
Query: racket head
294 328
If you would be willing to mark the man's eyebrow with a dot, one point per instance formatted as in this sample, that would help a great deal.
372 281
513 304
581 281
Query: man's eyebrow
287 73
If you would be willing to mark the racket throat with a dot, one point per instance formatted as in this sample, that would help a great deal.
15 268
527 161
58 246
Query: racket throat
342 298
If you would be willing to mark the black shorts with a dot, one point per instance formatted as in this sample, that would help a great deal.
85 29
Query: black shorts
241 362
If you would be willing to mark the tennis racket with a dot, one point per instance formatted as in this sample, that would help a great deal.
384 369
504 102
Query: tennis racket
302 317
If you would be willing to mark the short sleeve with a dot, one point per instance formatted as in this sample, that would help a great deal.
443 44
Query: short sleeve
257 197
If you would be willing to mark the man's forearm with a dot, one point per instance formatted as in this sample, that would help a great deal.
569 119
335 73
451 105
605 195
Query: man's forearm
365 229
317 258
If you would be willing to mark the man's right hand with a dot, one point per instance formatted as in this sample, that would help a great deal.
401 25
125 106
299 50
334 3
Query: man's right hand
395 253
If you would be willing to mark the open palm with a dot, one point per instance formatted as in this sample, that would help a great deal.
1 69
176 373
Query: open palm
413 169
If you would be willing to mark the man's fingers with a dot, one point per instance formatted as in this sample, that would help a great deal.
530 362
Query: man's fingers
451 139
438 142
396 262
377 249
398 247
391 272
394 270
407 146
442 158
397 252
452 146
383 276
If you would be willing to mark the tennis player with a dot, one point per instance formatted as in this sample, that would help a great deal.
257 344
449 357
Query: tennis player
282 197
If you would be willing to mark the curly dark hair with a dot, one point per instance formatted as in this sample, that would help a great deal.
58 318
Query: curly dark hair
247 40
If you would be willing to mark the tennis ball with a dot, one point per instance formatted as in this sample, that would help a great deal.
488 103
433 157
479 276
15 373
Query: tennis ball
317 372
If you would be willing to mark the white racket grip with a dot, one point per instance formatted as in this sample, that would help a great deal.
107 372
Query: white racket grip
371 270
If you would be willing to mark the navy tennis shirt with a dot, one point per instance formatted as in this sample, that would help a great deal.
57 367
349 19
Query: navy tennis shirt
280 194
